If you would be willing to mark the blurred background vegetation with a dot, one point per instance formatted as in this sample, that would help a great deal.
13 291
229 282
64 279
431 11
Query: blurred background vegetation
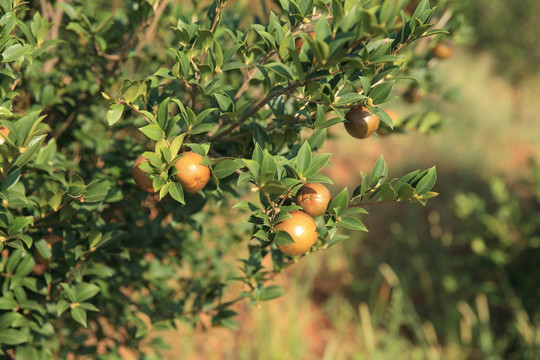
457 279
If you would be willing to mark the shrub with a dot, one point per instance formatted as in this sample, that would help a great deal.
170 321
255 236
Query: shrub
88 87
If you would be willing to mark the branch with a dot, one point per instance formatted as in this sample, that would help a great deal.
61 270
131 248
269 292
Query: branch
371 203
150 34
254 110
65 125
55 17
122 101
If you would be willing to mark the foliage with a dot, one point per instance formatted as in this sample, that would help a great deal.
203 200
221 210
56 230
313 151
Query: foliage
469 279
509 32
87 87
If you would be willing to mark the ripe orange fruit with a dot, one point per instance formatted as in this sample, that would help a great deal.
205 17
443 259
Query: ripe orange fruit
313 198
141 178
4 132
360 122
192 175
302 229
443 50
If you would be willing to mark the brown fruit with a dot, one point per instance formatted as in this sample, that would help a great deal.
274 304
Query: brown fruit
192 175
361 123
313 198
4 132
412 95
302 229
443 50
141 178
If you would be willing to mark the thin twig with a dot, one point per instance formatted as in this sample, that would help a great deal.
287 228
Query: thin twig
65 125
159 8
274 209
371 203
146 118
287 195
254 110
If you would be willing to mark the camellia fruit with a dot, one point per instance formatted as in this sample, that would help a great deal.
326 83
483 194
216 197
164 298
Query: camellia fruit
302 229
361 123
443 50
141 178
4 132
313 198
192 175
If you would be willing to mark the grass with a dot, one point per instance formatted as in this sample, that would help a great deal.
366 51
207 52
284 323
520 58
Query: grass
380 296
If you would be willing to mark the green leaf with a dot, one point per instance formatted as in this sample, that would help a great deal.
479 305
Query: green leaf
405 192
281 70
427 182
349 99
25 266
226 168
406 179
303 158
12 337
79 315
11 319
380 92
177 192
352 223
386 192
379 172
15 52
202 128
56 200
283 238
385 118
97 192
114 114
7 303
273 187
341 201
153 131
268 168
206 37
354 210
17 226
318 162
204 114
253 167
281 216
271 292
85 291
224 102
246 205
11 180
25 157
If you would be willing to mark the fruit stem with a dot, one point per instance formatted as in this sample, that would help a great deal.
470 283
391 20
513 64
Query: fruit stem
274 209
